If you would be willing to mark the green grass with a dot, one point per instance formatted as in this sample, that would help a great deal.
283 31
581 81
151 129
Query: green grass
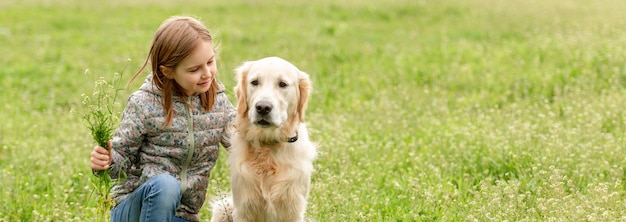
479 110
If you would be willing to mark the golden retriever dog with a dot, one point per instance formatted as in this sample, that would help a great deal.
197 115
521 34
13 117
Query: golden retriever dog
271 156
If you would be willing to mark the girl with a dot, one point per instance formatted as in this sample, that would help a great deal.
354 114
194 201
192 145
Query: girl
170 131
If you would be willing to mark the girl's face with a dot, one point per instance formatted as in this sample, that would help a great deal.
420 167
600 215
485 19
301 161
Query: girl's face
195 73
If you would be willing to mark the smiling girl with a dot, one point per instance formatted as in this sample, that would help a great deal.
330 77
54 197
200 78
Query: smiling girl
169 136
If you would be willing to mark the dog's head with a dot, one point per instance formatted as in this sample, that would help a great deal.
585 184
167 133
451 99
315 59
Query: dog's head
271 92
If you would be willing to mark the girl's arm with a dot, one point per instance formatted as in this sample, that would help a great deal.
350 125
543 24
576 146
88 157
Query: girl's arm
229 128
127 139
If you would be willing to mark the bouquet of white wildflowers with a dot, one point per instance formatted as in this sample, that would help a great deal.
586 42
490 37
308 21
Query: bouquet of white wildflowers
101 114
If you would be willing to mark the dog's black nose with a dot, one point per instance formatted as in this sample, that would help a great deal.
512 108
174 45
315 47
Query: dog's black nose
263 107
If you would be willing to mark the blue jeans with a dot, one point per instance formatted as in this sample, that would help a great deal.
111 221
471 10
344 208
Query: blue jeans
155 200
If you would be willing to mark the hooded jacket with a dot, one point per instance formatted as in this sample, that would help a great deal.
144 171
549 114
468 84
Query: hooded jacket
187 149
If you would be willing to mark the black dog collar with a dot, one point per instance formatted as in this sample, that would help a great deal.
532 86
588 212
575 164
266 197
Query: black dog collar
293 139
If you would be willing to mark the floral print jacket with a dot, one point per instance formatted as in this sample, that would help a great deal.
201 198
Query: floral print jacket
187 149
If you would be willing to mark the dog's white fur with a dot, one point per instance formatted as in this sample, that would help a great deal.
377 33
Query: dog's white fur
270 177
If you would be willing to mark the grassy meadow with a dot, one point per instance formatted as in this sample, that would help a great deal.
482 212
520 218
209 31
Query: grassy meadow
477 110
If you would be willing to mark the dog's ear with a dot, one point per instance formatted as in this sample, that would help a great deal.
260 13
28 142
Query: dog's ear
241 88
304 89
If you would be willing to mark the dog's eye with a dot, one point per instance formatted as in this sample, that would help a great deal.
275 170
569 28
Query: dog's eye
254 82
282 84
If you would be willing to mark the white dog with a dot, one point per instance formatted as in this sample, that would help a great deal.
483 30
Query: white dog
271 156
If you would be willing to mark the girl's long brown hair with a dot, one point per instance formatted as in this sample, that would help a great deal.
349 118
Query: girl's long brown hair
176 39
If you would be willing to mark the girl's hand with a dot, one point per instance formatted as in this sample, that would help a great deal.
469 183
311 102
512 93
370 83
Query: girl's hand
101 157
